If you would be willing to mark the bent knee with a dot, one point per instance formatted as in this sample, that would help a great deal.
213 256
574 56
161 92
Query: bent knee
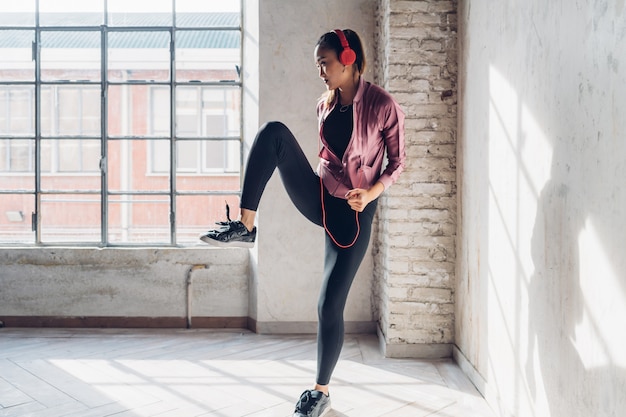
273 127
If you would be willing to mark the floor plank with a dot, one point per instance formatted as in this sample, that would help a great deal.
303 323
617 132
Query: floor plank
214 373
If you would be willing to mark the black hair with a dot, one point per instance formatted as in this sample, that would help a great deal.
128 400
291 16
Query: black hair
330 40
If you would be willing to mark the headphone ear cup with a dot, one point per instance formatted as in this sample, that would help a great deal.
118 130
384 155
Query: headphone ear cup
348 56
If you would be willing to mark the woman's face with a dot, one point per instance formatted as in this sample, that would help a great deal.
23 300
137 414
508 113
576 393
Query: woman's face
331 70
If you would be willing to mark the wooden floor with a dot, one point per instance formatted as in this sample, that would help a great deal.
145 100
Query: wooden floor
226 373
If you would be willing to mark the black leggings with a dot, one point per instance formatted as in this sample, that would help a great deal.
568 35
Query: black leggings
276 147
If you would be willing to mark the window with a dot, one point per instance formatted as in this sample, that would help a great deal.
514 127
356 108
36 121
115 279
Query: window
120 122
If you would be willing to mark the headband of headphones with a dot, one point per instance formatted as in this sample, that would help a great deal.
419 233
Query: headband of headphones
347 55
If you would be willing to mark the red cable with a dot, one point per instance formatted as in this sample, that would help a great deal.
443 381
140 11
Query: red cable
356 216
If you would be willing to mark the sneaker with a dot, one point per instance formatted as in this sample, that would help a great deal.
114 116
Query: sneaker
312 403
230 234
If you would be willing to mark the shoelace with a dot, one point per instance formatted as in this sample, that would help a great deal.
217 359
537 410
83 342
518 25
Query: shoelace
228 212
305 403
228 220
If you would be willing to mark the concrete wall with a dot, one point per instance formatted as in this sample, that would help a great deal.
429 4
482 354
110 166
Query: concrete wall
290 250
541 272
123 287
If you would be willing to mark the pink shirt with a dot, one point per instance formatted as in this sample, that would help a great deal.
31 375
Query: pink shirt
378 128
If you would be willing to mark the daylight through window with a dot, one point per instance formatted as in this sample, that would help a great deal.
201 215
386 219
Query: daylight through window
120 121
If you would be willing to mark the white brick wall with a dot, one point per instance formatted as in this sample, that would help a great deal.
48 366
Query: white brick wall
414 249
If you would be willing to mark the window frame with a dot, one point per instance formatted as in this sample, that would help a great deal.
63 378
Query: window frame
105 193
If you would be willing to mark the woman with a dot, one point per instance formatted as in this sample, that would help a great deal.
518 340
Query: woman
359 123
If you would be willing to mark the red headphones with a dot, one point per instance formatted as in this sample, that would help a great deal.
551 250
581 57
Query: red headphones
347 56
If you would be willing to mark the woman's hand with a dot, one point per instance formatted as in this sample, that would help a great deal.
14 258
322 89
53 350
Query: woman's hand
359 198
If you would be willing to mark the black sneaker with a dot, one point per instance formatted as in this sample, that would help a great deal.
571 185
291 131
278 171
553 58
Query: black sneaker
230 234
312 403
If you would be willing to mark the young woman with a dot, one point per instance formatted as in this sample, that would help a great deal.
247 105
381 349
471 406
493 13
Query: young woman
359 123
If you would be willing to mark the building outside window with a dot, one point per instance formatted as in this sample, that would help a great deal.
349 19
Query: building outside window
118 126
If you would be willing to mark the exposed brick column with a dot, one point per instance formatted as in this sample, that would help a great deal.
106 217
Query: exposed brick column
414 249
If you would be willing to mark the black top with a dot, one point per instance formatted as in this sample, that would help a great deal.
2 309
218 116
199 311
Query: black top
338 129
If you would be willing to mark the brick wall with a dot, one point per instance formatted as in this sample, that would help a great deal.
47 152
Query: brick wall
414 249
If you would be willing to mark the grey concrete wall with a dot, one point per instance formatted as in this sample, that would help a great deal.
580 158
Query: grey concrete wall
290 250
541 281
122 286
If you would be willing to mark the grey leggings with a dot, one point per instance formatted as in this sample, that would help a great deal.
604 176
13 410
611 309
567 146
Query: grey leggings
276 147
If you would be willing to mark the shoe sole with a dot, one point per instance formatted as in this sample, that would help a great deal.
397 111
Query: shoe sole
326 411
234 244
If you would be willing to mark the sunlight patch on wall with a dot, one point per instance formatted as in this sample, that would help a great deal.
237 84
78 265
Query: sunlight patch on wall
599 336
520 160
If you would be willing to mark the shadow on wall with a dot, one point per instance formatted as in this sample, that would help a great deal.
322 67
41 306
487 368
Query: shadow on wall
577 291
556 239
567 339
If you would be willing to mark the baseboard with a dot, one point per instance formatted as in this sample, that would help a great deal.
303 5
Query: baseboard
219 322
468 369
414 350
286 327
306 327
123 322
417 350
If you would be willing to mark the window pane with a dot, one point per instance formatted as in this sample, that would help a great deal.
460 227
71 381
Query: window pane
207 156
17 111
17 155
128 166
208 55
187 156
197 214
129 108
139 219
17 62
160 112
140 13
15 175
69 157
17 13
188 123
160 157
214 156
70 55
70 164
139 56
15 218
221 103
202 182
216 116
187 9
75 13
70 110
70 218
